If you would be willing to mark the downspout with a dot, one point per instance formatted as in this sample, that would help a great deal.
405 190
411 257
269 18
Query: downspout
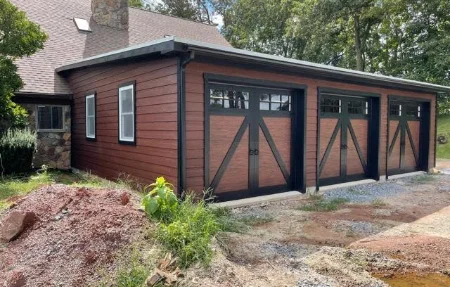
183 61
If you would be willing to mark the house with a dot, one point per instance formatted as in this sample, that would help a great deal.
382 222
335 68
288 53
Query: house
135 92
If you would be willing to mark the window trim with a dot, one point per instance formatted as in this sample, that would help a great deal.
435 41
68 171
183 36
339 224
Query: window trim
94 96
126 86
63 129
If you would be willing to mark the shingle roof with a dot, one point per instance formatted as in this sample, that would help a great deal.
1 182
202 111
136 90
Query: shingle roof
66 44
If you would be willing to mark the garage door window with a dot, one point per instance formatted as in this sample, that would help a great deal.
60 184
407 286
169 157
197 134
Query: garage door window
229 99
275 102
330 106
358 107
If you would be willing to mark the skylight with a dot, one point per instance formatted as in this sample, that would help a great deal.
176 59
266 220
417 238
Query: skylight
82 24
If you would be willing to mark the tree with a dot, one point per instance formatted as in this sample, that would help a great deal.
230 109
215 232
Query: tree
136 4
18 38
195 10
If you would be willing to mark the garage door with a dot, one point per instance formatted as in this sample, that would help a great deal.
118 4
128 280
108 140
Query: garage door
405 120
344 138
248 140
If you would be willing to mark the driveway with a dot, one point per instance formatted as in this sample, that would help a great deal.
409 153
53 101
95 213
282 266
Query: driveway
368 235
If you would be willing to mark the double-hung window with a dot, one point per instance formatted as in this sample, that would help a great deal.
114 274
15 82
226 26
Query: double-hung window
90 116
127 133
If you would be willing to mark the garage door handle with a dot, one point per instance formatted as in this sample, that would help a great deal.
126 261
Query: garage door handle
256 151
253 152
344 146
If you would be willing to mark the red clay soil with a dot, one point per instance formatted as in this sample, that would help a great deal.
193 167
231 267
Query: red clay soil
429 250
78 231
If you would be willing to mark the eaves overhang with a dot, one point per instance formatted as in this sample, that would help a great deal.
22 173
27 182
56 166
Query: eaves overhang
174 45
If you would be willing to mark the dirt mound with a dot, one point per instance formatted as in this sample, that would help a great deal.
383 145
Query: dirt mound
77 231
430 250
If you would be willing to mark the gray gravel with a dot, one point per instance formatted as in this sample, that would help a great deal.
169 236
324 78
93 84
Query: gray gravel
367 193
357 227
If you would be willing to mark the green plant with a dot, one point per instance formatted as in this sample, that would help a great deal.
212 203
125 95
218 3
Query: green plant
190 232
16 151
227 222
254 219
325 205
160 202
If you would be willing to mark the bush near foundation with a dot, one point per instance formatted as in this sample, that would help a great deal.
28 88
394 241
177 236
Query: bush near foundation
16 151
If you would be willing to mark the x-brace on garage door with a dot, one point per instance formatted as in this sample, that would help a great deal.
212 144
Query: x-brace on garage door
249 140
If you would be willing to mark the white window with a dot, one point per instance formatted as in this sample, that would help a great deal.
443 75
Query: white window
50 118
126 114
90 116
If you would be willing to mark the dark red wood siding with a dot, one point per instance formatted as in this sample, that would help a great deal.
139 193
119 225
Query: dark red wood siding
156 150
195 115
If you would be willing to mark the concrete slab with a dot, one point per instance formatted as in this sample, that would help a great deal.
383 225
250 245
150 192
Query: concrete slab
260 199
346 184
403 175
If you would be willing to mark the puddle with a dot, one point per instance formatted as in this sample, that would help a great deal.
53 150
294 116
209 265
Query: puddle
415 280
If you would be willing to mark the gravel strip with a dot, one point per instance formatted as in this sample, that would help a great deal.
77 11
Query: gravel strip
367 193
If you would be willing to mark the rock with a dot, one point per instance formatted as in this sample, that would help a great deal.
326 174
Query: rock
16 279
15 223
124 198
433 171
67 136
154 279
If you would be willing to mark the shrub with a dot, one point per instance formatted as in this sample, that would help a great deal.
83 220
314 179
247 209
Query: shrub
16 151
160 203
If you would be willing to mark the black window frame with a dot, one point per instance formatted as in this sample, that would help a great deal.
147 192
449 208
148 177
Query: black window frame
123 85
224 88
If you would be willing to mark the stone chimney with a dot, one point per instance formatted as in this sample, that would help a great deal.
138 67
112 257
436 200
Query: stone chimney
112 13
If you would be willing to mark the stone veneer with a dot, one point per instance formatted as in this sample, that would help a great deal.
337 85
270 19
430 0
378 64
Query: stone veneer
52 147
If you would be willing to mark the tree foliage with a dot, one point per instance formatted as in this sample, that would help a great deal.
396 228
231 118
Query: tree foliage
403 38
18 38
195 10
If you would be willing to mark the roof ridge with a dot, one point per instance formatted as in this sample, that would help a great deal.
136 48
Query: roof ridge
176 17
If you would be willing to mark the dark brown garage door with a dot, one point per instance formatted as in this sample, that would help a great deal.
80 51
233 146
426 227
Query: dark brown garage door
344 138
405 121
248 148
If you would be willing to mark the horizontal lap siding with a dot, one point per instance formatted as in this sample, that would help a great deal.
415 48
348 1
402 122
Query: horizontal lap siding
195 115
156 149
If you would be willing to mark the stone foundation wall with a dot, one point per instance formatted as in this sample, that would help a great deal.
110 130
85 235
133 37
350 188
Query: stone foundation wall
53 148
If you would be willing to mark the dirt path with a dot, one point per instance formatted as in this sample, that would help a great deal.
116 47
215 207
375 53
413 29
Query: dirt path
288 246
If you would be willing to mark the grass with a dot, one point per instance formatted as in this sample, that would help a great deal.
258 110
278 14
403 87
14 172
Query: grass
423 178
320 204
254 219
13 187
378 203
443 150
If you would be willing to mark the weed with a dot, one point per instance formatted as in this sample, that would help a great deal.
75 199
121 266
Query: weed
227 222
358 192
315 196
254 220
423 178
325 205
160 202
378 203
189 234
